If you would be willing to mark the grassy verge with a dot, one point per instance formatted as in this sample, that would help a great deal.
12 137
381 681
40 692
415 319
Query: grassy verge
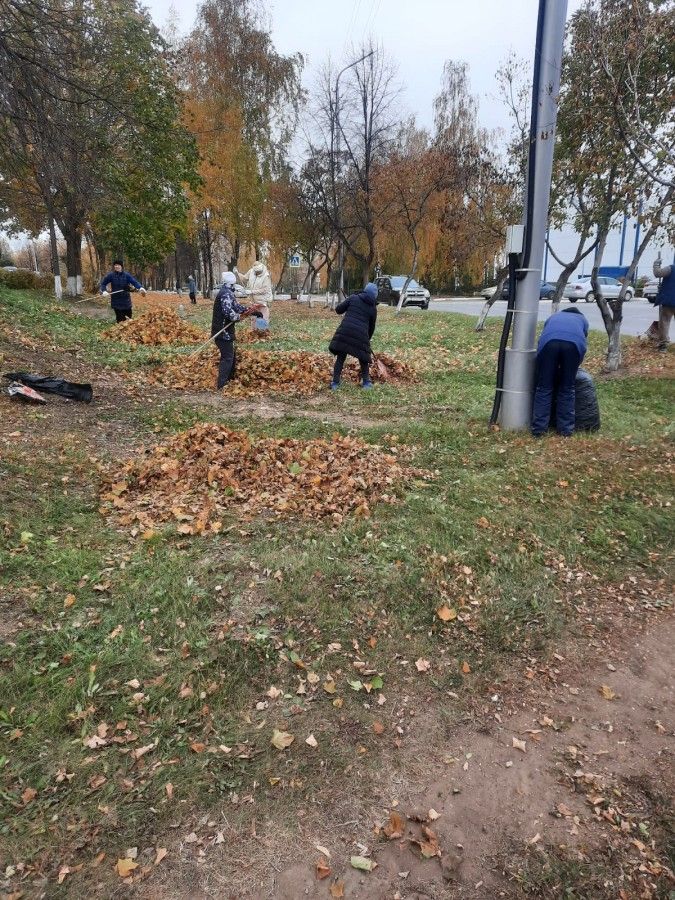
171 645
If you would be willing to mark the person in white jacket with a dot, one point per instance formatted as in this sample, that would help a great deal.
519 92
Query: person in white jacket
258 284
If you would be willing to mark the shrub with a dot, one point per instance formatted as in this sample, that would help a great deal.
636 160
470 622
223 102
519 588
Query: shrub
23 279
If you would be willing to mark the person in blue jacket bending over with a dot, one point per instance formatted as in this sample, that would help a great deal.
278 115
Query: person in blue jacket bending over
120 298
561 348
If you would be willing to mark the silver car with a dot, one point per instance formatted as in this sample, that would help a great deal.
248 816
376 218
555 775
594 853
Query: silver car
582 289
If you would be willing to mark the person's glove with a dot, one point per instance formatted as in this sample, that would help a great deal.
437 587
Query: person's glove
142 290
104 293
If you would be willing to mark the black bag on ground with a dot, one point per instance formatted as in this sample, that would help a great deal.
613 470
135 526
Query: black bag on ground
586 408
69 389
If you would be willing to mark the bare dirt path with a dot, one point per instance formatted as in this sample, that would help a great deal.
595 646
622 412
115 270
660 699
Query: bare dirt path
571 759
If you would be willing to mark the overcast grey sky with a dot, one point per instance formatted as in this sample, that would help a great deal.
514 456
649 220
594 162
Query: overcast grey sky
420 35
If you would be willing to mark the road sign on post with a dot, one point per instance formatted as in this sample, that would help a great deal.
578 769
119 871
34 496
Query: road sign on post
294 261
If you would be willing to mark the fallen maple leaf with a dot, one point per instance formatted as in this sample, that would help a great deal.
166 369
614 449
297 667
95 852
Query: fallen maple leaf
519 745
606 692
323 870
312 742
160 854
378 727
168 787
466 668
28 795
337 890
69 601
281 739
395 826
422 665
445 614
197 747
125 867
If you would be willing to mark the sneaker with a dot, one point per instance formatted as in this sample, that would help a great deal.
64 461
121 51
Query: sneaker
367 385
334 385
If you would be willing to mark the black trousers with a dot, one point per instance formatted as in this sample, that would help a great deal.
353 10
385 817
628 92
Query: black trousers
122 314
339 363
193 298
557 366
228 362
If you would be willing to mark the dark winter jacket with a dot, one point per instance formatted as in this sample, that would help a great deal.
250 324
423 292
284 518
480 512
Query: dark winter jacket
226 311
666 294
120 281
569 325
358 326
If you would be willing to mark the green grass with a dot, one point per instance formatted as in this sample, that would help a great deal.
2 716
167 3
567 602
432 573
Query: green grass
223 618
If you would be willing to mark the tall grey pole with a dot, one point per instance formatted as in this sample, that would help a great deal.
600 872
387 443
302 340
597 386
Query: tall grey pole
341 246
516 405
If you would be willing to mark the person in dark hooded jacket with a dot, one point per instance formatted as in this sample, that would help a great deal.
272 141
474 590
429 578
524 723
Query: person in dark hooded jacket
354 332
561 348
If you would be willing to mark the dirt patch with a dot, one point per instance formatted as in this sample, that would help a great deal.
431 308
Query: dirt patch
589 784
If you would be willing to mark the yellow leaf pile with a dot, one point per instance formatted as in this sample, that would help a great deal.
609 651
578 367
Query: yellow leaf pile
200 474
155 328
298 372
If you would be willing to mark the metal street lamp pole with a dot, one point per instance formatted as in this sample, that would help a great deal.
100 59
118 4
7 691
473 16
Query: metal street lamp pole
341 247
519 359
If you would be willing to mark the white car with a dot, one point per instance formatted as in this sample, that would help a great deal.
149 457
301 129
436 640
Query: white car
651 289
582 289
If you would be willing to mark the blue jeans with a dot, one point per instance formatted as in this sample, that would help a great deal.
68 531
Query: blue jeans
557 366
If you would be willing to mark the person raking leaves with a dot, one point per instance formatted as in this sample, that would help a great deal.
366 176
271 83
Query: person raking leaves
353 334
120 298
227 311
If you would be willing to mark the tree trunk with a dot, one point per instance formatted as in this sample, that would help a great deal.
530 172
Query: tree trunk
613 359
502 275
54 252
236 250
281 274
410 277
208 256
73 237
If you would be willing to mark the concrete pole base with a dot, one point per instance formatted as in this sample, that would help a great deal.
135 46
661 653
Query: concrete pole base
516 409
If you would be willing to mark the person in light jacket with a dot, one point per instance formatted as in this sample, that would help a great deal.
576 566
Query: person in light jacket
665 299
354 332
561 348
258 283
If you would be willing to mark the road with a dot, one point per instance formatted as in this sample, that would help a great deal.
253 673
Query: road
637 315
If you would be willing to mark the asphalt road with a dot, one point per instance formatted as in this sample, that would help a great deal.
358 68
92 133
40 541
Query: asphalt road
638 315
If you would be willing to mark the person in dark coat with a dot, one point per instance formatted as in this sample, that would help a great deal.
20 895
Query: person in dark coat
665 300
192 289
561 348
354 332
120 298
226 311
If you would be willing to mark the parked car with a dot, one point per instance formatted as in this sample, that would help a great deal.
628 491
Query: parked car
651 288
546 291
390 287
9 269
582 289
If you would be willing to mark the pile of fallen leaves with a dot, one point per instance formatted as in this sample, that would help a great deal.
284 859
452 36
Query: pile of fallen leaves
155 328
201 473
299 372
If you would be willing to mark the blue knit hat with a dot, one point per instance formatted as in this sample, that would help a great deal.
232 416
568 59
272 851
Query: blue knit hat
371 290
